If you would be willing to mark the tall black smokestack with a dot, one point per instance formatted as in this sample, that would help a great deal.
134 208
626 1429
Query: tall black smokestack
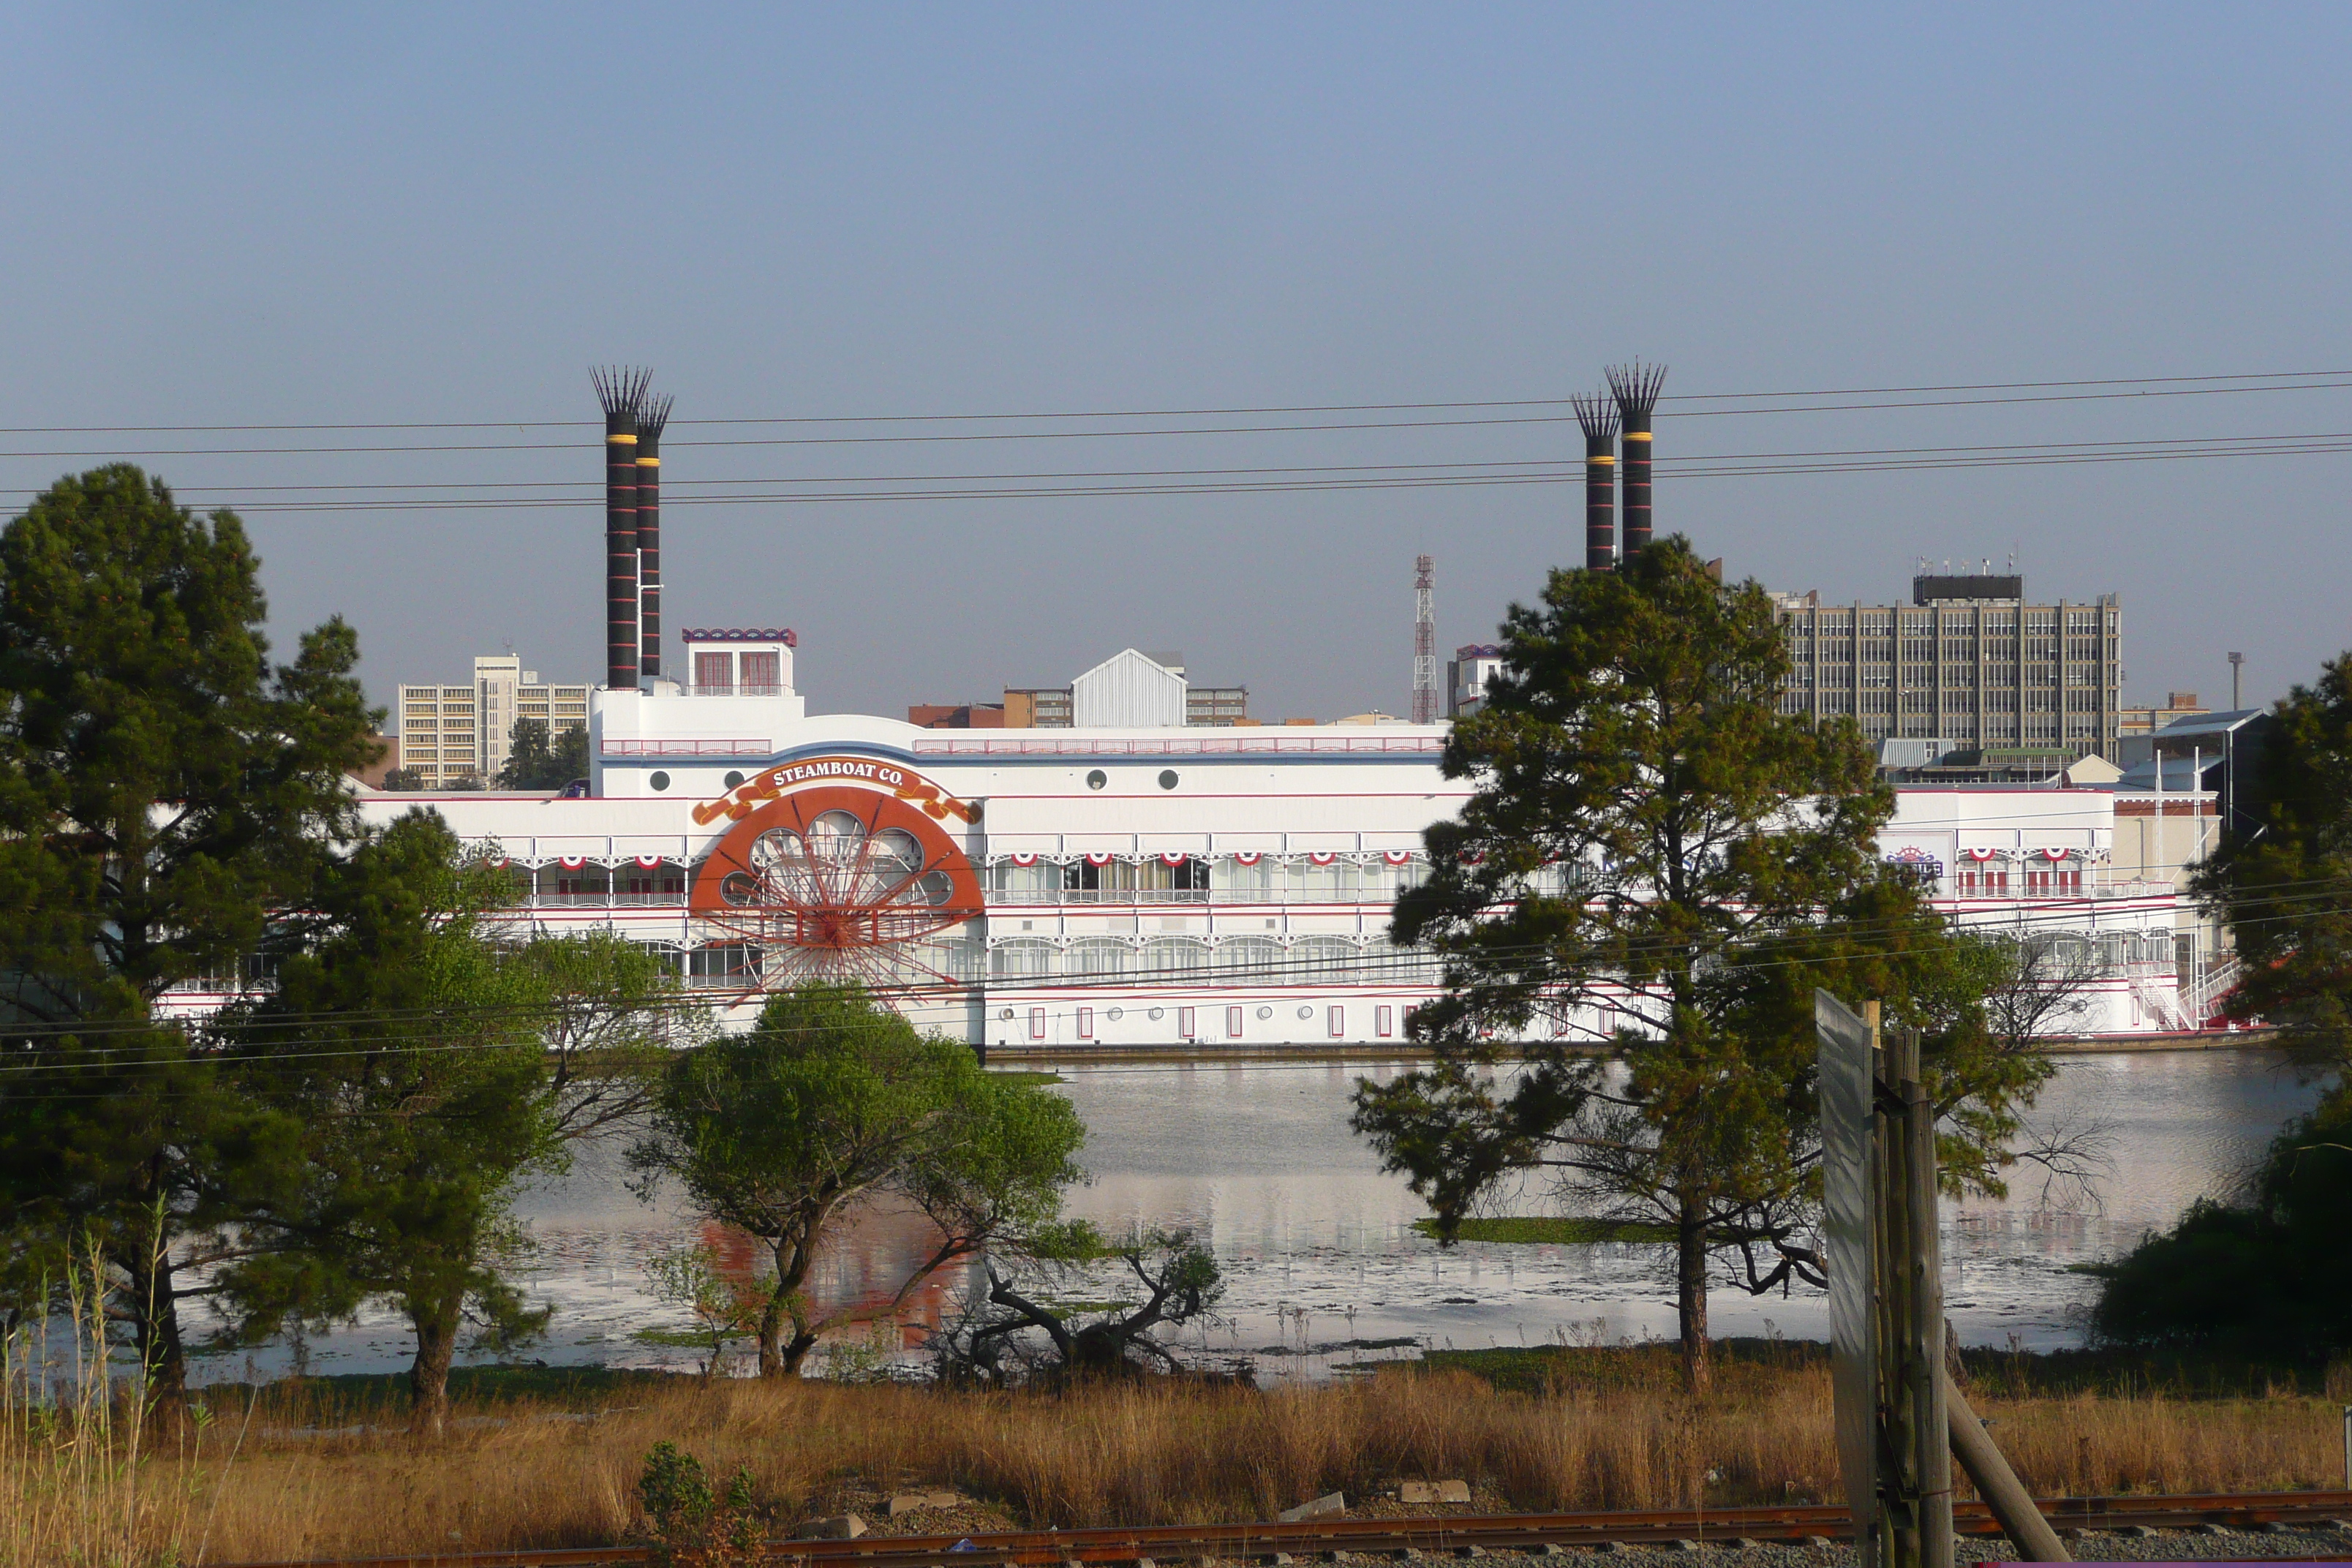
652 414
621 391
1597 418
1637 390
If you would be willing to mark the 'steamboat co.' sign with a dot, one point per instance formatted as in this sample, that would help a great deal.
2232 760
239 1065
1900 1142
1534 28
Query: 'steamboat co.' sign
740 802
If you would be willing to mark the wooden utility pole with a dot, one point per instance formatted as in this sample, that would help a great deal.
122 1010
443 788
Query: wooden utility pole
1899 1419
1915 1460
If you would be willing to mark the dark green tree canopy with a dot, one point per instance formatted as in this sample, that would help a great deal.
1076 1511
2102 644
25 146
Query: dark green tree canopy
410 1043
161 784
2283 881
2270 1276
534 760
1647 830
830 1102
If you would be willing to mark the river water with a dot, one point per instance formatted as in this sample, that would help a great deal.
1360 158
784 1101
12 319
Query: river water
1323 1267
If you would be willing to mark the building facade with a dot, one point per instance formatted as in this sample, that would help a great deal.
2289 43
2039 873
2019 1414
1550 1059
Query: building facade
1142 887
449 735
1969 662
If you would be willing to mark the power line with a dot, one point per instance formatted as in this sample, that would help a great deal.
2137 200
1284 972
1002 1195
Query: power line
2271 376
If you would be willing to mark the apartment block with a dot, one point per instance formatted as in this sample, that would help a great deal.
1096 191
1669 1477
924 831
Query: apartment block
449 735
1969 662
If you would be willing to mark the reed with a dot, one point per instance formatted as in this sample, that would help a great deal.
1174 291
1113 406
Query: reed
326 1473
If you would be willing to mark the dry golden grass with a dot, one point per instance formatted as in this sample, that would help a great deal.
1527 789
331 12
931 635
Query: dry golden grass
531 1473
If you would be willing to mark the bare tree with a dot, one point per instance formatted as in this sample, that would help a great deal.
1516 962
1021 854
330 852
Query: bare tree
1016 1328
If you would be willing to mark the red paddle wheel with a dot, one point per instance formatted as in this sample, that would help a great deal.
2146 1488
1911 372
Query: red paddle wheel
838 886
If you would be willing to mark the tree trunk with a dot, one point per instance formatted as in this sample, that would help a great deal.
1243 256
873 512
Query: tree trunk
795 1351
155 1332
428 1375
1690 1294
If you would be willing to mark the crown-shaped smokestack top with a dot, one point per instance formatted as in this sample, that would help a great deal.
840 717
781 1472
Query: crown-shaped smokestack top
622 390
652 414
1596 414
1635 388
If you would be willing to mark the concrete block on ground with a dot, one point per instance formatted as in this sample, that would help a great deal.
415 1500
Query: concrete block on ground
1416 1491
835 1527
1278 1559
1744 1543
1453 1492
1684 1545
1315 1507
1469 1551
906 1502
1823 1540
946 1499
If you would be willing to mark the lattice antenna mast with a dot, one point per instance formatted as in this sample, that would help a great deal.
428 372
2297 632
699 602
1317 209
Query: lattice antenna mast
1424 640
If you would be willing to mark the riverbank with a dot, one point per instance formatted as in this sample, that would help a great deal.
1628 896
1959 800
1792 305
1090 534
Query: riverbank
540 1458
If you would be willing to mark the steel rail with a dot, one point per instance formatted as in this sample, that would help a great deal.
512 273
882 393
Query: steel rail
1536 1534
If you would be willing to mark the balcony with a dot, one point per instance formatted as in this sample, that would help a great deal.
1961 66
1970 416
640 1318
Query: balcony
602 901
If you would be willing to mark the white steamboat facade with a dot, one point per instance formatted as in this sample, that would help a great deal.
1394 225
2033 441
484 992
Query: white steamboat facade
1122 887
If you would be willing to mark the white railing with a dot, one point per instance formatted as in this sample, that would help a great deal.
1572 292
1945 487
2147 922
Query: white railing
2203 1000
1223 744
684 748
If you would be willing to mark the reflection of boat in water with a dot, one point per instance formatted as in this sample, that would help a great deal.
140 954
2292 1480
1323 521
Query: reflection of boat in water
863 1262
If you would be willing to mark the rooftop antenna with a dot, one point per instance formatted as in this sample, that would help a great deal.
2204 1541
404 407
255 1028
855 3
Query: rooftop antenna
1597 416
1424 640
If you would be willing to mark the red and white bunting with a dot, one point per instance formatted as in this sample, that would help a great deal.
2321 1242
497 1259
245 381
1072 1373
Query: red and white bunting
1247 856
1177 859
2055 854
1321 857
1397 857
1982 854
1023 858
1098 859
648 862
573 862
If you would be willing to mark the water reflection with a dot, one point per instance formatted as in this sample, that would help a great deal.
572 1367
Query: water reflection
1318 1249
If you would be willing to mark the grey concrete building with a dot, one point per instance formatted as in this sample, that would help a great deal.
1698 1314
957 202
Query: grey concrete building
1967 662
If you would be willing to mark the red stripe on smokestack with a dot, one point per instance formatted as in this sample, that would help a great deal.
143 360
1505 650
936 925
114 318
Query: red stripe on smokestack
621 391
1637 390
651 416
1597 416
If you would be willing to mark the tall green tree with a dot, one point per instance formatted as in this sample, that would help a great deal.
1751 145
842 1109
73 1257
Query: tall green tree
829 1104
1649 836
536 761
411 1043
162 788
2282 876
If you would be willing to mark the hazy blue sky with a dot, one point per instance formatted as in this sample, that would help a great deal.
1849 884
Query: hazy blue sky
253 214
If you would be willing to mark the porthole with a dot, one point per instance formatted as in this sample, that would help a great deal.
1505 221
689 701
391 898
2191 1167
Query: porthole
1306 1012
660 781
1158 1014
1168 778
1006 1014
733 778
1265 1012
1097 779
1114 1014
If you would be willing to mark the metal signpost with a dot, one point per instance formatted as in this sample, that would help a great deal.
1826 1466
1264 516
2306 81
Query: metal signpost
1900 1421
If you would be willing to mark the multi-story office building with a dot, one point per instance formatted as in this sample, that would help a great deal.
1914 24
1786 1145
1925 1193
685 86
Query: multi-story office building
1967 662
451 733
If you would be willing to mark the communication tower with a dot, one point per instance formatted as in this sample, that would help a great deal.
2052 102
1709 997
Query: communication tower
1424 641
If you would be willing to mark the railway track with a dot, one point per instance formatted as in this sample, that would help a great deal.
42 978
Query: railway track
1534 1534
